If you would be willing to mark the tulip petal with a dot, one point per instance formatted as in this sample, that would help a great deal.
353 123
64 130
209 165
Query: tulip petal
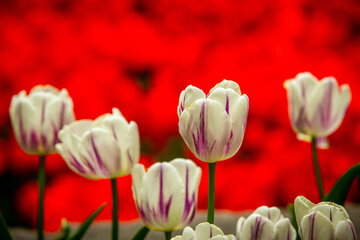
257 227
333 211
239 226
302 207
345 230
272 213
316 226
188 97
227 85
205 231
284 230
188 234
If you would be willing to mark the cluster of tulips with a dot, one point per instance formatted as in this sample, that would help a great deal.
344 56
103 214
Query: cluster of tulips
213 128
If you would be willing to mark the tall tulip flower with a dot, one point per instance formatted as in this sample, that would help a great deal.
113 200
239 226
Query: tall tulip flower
213 126
316 109
166 194
36 120
204 231
265 223
325 220
106 148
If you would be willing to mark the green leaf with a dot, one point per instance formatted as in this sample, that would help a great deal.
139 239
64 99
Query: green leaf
141 234
291 210
86 224
4 231
65 232
340 190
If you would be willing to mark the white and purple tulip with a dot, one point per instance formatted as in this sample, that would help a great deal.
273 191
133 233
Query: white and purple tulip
166 194
213 126
38 117
107 147
325 220
316 108
204 231
265 224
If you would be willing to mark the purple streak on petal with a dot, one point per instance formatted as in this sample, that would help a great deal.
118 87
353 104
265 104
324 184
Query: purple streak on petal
43 105
55 134
43 140
62 115
269 214
113 131
161 190
256 229
76 164
130 158
325 107
167 207
23 134
189 203
199 139
289 229
227 104
352 228
228 142
97 156
182 103
211 233
331 217
312 225
34 143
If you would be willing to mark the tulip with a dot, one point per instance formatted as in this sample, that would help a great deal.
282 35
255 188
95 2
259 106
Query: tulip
36 120
316 108
166 194
213 126
38 117
325 220
265 223
107 147
204 231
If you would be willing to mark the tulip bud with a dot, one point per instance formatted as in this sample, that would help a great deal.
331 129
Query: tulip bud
204 231
105 148
316 108
265 223
38 117
213 127
325 220
166 195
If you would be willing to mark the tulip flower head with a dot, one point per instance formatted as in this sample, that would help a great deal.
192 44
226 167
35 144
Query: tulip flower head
166 194
325 220
38 117
105 148
316 108
265 223
204 231
213 126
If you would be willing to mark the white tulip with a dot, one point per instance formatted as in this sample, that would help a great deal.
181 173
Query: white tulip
38 117
213 127
265 224
166 194
105 148
323 221
316 108
204 231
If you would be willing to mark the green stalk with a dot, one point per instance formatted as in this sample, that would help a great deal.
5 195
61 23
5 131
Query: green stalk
115 224
41 180
317 169
211 193
167 235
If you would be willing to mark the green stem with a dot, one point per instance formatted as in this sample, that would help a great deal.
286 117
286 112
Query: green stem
115 224
317 169
41 179
167 235
211 193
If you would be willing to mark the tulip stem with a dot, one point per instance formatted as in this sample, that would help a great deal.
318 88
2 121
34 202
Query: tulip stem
41 182
211 194
167 235
317 169
115 224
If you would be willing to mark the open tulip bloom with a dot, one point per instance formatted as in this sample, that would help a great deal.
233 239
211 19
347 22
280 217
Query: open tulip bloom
213 126
166 194
106 148
316 110
265 224
36 120
204 231
325 220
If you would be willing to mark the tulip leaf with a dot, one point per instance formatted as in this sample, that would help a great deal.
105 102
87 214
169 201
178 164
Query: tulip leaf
86 224
340 190
291 211
65 230
4 231
141 234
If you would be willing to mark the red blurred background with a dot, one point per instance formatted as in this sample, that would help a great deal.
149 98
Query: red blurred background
138 55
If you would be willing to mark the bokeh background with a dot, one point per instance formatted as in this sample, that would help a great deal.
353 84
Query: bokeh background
138 55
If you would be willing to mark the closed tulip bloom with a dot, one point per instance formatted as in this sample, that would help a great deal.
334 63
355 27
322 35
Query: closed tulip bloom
213 126
38 117
265 224
204 231
166 194
325 220
105 148
316 108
